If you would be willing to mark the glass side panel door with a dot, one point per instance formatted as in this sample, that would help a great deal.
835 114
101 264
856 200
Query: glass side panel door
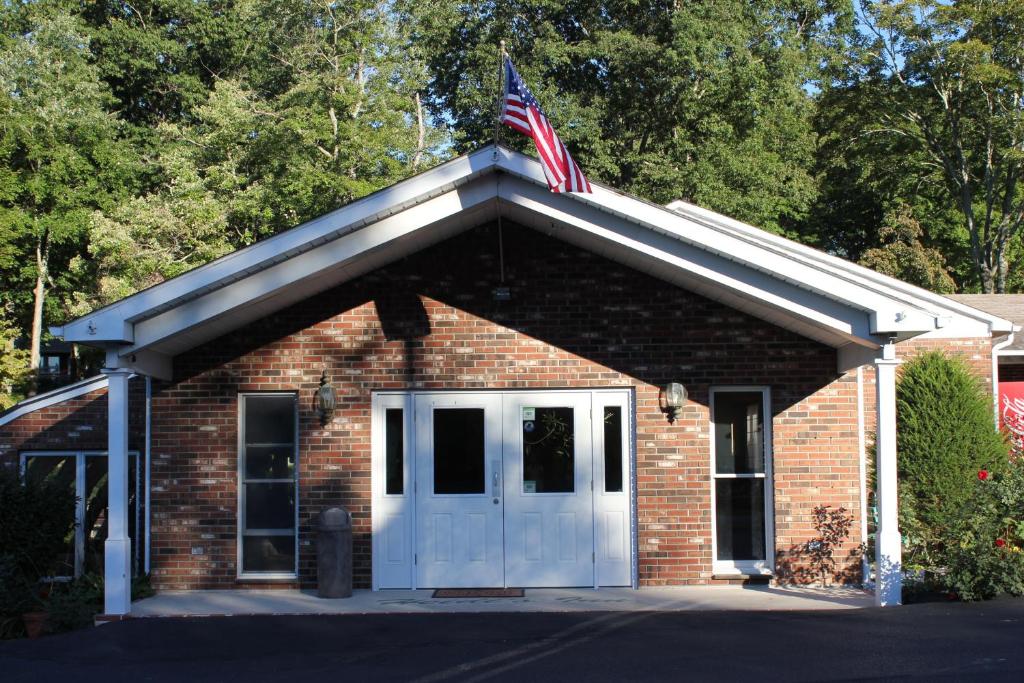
549 532
458 491
741 480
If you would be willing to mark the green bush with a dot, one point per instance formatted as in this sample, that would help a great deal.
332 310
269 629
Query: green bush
34 525
945 435
74 604
984 551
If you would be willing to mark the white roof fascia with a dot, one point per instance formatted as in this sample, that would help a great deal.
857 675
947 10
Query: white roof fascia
936 304
50 398
255 273
795 301
889 316
113 323
328 256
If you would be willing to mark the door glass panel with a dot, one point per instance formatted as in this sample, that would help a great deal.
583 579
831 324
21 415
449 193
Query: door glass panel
268 553
739 517
613 449
739 433
58 471
393 452
269 506
548 450
458 450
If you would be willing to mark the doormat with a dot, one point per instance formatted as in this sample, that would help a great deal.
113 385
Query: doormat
479 593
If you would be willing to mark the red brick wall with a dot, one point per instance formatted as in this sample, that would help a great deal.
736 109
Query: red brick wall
429 321
78 424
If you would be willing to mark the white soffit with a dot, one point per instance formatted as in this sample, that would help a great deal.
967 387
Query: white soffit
769 277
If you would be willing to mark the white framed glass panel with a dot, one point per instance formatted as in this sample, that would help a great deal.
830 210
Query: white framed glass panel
549 450
741 487
268 490
85 474
394 451
459 451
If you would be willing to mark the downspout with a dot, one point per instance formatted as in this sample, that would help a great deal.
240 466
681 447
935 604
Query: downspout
862 453
149 505
996 348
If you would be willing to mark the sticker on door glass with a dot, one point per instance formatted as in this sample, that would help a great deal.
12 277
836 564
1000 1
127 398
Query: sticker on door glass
529 486
529 414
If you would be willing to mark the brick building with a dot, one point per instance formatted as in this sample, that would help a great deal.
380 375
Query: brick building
531 389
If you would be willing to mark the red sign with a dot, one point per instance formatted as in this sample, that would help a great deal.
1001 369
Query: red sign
1011 409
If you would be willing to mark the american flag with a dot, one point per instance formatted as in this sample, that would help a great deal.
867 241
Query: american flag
521 111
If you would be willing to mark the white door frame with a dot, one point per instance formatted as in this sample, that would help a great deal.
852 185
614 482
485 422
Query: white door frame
767 566
393 521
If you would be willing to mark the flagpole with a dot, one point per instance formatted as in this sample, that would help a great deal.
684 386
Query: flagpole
503 293
501 83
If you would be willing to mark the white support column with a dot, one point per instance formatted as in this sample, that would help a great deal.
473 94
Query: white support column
117 571
888 550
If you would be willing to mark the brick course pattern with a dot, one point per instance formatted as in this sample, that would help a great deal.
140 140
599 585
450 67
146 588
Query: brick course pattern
430 322
78 424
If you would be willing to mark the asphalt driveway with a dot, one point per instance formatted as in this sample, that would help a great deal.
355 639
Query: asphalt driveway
939 641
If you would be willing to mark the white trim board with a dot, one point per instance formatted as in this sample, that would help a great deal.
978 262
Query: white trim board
812 293
30 405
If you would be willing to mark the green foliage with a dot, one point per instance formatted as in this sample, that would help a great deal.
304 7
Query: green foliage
903 256
946 79
984 548
703 101
74 604
13 367
945 434
35 524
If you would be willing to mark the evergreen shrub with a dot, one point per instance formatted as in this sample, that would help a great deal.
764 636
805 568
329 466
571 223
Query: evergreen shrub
945 436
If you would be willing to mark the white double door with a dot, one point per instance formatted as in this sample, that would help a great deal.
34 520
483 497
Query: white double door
504 490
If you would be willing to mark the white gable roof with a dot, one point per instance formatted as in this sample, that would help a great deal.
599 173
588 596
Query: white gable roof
782 282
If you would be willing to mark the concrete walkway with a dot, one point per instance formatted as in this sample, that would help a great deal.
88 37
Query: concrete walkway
675 599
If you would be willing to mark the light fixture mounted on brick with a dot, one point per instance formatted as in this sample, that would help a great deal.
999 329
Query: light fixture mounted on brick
672 398
326 399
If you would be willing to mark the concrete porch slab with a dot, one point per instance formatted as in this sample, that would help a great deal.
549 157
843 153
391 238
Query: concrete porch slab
249 602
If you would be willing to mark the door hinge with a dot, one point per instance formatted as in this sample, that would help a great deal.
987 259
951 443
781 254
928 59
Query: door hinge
593 558
415 558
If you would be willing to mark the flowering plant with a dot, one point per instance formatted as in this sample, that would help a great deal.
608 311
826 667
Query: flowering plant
982 552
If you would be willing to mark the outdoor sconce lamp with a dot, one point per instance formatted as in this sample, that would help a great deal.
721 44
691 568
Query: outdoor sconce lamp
673 397
326 399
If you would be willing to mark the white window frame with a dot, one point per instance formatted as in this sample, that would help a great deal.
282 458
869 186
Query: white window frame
764 567
80 503
241 523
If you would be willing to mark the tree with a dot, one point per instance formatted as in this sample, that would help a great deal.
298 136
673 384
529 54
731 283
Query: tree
950 79
704 101
903 256
327 109
58 150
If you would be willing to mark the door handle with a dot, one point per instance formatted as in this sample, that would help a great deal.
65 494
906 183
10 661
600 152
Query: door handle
495 481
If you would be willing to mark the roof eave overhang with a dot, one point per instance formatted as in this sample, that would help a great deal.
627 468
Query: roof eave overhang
631 230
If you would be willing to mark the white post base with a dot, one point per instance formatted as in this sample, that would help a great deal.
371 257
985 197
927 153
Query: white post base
117 576
888 582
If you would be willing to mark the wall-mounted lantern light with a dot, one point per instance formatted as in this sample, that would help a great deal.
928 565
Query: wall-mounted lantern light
326 399
673 397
